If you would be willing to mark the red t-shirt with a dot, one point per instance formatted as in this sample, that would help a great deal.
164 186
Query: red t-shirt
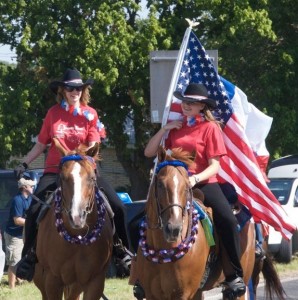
204 139
71 131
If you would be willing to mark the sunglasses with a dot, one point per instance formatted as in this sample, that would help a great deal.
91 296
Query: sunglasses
189 103
72 88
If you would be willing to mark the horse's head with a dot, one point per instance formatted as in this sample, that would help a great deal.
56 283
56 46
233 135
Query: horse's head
78 180
171 191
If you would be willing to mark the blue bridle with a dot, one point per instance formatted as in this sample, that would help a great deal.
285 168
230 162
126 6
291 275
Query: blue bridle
76 157
174 163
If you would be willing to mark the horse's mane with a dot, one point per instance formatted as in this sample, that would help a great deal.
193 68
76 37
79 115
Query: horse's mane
179 154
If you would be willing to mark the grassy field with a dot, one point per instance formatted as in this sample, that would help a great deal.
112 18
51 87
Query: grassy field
115 289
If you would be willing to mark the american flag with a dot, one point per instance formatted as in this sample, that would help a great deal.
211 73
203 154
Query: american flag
239 166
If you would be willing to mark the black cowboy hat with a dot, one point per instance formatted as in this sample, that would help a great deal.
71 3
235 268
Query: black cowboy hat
72 78
196 92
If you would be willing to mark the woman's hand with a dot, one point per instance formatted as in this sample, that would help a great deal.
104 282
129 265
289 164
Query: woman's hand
174 124
154 142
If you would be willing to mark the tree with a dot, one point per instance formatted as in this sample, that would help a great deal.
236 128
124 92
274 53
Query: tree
105 40
108 41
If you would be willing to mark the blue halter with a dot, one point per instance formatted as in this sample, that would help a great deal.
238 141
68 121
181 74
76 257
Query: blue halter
174 163
75 157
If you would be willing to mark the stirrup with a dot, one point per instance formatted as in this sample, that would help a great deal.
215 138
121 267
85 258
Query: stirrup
123 258
233 289
260 252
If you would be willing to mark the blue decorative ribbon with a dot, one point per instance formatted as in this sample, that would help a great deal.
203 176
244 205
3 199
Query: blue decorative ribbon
174 163
75 157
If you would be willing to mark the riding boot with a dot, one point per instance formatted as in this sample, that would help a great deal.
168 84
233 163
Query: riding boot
25 268
233 288
122 257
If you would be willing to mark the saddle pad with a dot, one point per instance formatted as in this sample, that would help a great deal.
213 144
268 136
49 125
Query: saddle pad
206 223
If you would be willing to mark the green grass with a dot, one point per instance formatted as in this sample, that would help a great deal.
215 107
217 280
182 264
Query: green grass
115 289
288 268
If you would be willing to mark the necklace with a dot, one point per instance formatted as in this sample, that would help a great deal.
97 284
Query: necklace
94 234
168 255
77 111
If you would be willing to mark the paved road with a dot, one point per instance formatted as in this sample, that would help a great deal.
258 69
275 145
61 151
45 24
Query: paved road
290 285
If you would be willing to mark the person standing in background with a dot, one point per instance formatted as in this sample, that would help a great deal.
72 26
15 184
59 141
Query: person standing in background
13 233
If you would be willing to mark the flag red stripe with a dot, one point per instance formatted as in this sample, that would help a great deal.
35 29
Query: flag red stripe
267 214
252 171
246 174
176 107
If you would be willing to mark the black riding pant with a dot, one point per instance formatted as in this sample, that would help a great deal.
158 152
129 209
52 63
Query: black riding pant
225 223
48 183
118 208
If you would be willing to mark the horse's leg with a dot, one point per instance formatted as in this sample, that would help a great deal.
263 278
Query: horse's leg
94 289
72 292
54 287
39 280
199 295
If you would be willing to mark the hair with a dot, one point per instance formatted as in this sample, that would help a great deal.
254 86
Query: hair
208 115
85 97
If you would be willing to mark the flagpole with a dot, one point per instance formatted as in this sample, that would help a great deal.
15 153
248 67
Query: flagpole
174 80
175 75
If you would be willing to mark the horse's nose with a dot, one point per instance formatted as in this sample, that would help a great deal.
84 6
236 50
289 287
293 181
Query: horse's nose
173 232
78 221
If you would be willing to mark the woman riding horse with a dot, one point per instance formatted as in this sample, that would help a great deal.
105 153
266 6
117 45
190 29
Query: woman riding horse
200 133
73 122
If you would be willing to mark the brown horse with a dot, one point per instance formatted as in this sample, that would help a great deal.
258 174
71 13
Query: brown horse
173 250
74 242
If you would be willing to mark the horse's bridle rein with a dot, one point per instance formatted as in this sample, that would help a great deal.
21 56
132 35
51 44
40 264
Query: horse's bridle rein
160 211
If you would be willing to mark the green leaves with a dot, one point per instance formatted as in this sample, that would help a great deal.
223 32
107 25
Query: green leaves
110 41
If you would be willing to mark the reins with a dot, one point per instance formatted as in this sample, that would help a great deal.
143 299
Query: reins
160 211
78 157
95 197
170 255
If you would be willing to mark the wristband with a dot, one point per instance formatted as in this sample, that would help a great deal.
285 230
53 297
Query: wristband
197 179
25 165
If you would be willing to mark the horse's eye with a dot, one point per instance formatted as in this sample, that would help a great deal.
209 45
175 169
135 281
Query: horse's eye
160 185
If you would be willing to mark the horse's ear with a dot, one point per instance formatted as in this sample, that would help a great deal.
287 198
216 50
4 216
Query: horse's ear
161 153
60 148
93 151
